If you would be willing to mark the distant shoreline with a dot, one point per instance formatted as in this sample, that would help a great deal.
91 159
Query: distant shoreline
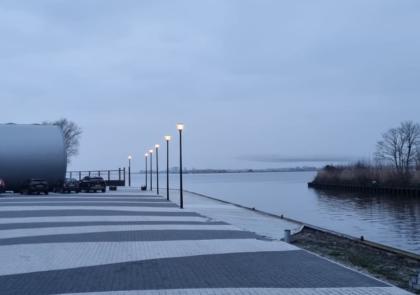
237 171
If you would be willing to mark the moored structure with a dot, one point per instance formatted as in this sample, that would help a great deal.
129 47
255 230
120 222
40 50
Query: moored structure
31 151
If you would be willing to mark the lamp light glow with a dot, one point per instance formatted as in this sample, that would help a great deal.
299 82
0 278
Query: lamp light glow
180 126
157 146
167 137
150 151
130 157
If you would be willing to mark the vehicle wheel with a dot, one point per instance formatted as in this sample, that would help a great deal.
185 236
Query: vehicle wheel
46 193
104 190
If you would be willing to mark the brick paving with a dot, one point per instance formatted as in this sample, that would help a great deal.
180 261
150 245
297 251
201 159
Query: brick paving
132 243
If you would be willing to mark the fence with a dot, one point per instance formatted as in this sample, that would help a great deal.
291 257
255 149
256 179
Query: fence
114 177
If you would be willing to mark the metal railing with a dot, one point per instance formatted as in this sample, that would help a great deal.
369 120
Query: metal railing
112 177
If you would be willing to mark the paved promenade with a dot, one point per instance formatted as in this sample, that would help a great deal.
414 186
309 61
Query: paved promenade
131 243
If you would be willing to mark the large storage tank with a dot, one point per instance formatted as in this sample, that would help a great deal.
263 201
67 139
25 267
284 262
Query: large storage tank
31 151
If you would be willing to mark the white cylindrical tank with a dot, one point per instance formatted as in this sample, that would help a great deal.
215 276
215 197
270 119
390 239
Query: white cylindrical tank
31 151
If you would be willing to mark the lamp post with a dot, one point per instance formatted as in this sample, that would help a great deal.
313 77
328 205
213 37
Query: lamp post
151 169
180 127
157 168
145 161
129 170
167 139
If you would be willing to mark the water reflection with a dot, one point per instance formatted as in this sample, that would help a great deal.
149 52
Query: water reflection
394 220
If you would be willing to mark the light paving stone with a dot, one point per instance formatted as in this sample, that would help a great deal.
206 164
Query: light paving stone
71 204
41 257
242 218
98 207
102 218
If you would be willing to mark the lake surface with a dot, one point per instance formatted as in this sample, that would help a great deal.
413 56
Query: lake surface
390 220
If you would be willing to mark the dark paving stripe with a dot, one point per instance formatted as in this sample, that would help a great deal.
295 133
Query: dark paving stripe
292 269
132 236
91 204
96 223
82 199
52 213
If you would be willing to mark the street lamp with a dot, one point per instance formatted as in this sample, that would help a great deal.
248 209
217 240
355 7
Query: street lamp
157 168
129 170
180 127
151 169
145 161
167 139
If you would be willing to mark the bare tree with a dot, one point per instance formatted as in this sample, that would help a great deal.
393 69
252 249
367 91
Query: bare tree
71 133
411 133
399 146
418 157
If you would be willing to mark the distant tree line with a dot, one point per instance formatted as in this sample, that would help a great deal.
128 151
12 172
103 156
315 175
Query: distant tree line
397 162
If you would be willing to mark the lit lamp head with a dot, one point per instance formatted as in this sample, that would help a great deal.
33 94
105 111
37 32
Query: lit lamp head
150 151
130 157
180 126
146 155
167 137
157 146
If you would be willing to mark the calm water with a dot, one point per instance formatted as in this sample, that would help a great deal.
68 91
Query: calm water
390 220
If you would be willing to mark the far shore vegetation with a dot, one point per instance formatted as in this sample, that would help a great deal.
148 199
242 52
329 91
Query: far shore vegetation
175 170
397 162
214 171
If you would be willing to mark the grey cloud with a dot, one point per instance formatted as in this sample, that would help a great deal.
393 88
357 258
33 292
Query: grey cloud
281 77
295 159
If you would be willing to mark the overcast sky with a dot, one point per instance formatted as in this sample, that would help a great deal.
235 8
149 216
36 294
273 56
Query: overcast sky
257 83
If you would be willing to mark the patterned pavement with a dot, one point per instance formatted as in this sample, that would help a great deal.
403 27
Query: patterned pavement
130 243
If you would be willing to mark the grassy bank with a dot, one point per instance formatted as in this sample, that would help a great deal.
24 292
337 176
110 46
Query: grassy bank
387 266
